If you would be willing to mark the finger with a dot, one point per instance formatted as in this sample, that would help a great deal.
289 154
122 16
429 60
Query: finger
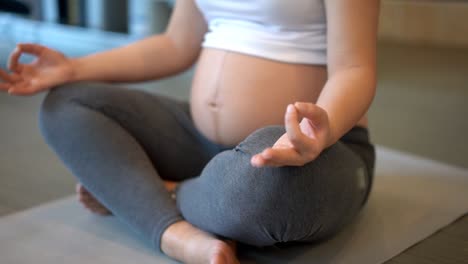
4 76
30 48
284 157
16 77
25 88
312 112
21 91
278 158
293 129
13 60
5 86
257 161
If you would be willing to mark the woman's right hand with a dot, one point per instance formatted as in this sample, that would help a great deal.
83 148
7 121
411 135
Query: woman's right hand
49 69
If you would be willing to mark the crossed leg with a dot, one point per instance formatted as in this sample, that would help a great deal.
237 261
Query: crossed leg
113 142
121 145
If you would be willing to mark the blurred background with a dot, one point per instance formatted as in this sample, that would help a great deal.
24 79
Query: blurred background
420 105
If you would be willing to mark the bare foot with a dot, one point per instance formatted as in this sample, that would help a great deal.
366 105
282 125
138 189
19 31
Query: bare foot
188 244
92 204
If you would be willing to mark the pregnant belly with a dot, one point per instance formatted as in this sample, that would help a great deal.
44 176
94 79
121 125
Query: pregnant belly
234 94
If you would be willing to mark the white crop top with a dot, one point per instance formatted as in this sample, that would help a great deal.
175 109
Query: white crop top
285 30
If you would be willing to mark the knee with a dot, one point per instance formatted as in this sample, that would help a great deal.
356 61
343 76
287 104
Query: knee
53 110
264 206
63 94
242 184
258 206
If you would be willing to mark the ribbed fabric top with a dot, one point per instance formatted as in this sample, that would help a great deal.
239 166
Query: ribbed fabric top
290 31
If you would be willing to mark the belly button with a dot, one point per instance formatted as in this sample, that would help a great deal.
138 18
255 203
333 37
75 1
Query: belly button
213 106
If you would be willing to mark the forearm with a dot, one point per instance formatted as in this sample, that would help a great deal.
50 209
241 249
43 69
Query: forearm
346 98
151 58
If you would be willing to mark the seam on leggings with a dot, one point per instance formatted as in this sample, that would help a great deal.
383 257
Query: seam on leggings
104 109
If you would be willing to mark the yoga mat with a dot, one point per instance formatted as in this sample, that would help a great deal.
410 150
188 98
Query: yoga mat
412 198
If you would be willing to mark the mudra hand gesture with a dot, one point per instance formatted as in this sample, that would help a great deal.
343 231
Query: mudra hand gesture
49 69
302 142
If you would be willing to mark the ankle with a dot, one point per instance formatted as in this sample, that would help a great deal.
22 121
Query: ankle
173 238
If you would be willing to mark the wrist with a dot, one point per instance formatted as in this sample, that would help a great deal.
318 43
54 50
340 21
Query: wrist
329 127
331 138
75 70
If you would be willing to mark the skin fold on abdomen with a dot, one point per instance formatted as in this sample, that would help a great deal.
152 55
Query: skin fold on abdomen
234 94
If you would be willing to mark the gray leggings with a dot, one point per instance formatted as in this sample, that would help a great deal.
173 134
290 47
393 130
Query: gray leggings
122 143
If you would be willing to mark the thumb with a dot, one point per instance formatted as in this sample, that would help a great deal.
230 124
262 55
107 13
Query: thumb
313 112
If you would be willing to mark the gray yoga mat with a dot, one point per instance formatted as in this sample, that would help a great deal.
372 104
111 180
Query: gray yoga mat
412 198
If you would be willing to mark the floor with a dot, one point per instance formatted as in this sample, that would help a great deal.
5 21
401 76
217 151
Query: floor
420 105
419 108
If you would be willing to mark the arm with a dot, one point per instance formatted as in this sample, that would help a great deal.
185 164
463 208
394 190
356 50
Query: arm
350 89
347 95
154 57
151 58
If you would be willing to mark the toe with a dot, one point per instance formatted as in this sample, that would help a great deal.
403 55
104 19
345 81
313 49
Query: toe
85 199
79 188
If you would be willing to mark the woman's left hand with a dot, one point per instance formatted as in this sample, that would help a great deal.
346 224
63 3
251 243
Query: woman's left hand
302 142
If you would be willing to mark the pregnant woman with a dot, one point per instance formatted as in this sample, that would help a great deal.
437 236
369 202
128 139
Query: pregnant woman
272 147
